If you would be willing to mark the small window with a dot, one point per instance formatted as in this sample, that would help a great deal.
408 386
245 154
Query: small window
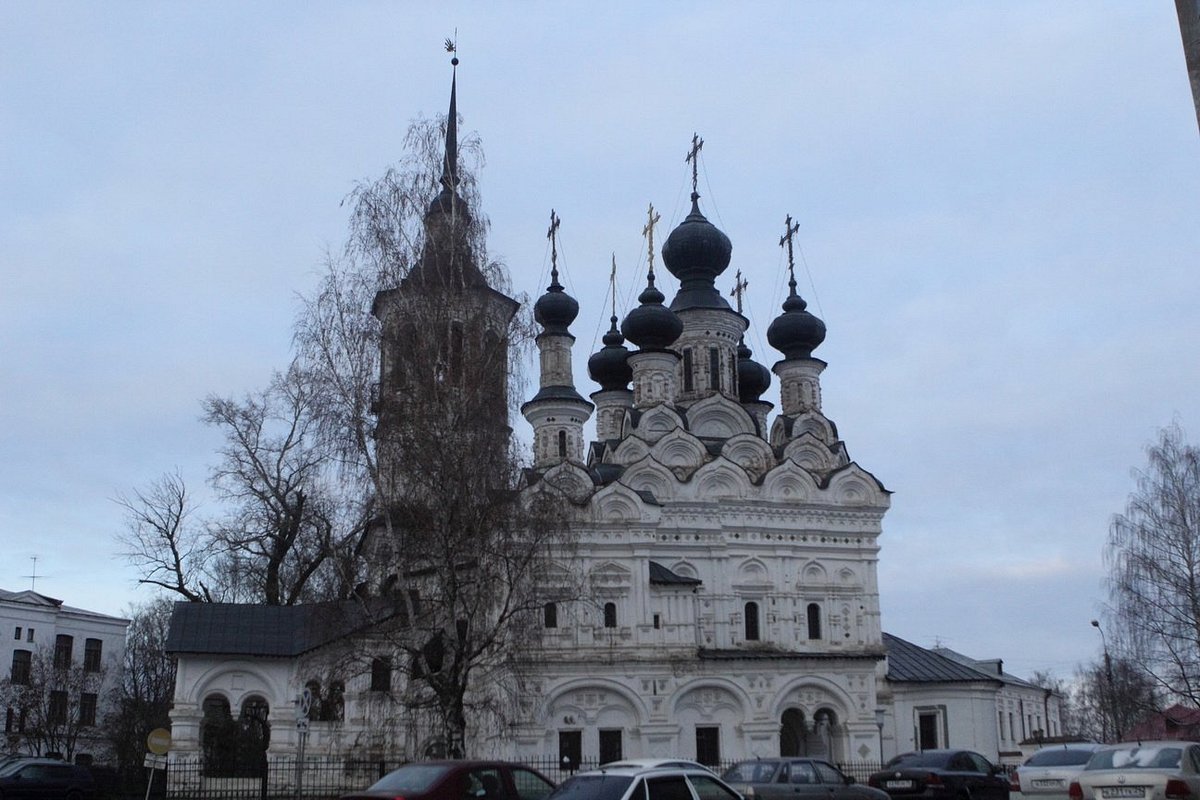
29 635
22 667
550 615
657 621
610 615
814 621
381 674
689 382
562 444
752 622
17 635
714 368
56 712
87 709
92 649
63 646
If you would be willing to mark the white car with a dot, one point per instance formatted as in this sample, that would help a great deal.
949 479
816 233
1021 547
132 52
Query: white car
640 783
655 763
1047 774
1140 771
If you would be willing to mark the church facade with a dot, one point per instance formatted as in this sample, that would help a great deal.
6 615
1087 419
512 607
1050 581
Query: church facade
720 595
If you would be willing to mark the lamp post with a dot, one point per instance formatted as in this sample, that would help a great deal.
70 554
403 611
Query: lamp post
1108 677
879 712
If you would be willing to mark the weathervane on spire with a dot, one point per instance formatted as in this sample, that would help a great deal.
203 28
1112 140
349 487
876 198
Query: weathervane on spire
452 47
739 288
450 159
648 231
790 230
693 158
552 235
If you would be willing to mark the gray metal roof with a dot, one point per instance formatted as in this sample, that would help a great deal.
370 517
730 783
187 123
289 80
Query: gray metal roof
262 630
662 576
910 663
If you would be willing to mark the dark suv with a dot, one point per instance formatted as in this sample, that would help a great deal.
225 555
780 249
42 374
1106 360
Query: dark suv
44 778
958 774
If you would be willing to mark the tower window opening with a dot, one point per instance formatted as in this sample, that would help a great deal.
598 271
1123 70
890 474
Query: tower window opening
550 615
610 615
814 621
689 381
752 634
714 368
562 444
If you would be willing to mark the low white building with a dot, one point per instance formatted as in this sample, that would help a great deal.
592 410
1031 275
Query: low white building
73 654
936 698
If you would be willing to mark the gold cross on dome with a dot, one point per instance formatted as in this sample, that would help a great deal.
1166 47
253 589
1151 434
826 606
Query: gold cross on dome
652 219
552 235
739 288
693 158
790 229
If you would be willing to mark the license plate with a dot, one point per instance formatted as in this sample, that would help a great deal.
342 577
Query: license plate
1122 791
1047 784
898 784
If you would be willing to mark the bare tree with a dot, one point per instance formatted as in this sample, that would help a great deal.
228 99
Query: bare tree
162 541
1154 568
147 685
1107 700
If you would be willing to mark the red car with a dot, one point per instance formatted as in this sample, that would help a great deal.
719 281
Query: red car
458 780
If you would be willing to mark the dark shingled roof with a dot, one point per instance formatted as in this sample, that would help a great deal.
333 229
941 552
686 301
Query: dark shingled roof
262 630
909 663
661 576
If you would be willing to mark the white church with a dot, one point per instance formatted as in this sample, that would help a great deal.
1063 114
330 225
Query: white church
730 550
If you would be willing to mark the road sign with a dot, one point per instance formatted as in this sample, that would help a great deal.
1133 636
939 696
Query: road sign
155 762
302 725
159 741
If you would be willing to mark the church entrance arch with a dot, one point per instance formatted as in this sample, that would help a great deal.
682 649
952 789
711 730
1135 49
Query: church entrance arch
820 737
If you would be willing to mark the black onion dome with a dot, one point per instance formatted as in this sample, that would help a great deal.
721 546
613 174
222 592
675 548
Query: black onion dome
796 332
556 309
651 326
753 377
697 252
609 366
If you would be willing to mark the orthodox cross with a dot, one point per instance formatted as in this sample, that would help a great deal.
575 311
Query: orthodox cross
33 578
791 228
739 288
552 235
648 231
693 158
612 285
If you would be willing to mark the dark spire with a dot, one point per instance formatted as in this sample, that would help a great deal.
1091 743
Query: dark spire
450 162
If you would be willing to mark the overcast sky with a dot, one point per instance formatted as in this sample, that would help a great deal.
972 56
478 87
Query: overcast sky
998 210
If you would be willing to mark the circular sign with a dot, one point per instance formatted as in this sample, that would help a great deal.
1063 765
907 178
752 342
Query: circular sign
159 741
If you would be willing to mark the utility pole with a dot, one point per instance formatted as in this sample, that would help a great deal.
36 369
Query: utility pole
1112 689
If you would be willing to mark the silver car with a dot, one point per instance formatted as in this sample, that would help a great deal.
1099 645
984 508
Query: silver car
1047 774
1140 771
639 783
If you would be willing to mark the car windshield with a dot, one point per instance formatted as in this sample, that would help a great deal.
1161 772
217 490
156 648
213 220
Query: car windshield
1059 758
12 766
751 772
926 759
411 778
592 787
1137 758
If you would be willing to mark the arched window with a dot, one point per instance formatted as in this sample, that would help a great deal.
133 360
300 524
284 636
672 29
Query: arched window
752 622
562 444
550 615
814 621
610 615
689 380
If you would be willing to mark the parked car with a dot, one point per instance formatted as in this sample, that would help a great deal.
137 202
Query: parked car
1047 774
942 773
641 783
1140 771
653 763
45 778
779 778
459 780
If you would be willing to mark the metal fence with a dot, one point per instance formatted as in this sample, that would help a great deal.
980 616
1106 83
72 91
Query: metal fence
324 778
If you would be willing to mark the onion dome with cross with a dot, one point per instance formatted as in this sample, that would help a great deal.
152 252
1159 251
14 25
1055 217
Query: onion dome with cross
651 326
696 252
795 332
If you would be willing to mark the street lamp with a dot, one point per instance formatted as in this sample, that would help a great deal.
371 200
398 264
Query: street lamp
879 712
1108 677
